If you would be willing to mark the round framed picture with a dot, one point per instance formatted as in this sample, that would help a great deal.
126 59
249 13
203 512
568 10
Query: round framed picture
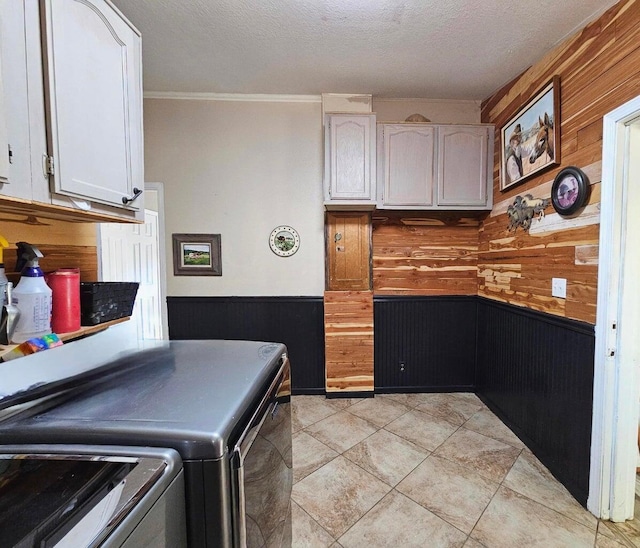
284 241
569 191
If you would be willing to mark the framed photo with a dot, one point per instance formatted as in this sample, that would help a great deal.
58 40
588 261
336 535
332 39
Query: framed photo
530 141
569 191
197 255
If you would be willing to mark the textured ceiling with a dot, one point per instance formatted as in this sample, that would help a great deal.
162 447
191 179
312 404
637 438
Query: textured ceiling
437 49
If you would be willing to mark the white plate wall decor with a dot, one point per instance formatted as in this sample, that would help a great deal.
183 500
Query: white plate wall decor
284 241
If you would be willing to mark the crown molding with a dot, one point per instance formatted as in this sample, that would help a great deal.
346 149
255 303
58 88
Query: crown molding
425 100
249 97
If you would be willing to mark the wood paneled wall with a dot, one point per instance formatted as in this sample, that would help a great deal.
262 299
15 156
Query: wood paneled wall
348 326
64 244
420 253
599 70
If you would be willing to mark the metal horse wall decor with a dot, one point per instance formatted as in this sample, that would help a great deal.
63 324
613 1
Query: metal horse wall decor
524 209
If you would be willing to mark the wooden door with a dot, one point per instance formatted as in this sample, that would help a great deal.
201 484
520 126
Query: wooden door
348 251
407 164
463 165
94 92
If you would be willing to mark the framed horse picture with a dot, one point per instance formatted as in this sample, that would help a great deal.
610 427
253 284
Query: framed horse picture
530 141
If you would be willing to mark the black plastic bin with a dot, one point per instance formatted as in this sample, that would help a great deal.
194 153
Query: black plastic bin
105 301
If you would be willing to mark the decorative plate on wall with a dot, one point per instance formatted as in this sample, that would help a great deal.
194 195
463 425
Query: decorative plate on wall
284 241
569 191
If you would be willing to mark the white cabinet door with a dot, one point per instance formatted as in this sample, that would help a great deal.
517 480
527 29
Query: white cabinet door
4 142
16 103
350 158
94 101
463 166
407 165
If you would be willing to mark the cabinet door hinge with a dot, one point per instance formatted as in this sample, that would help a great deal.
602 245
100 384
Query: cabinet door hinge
48 164
10 154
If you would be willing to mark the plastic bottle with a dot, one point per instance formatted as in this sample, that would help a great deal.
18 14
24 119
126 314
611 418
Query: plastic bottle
32 296
3 276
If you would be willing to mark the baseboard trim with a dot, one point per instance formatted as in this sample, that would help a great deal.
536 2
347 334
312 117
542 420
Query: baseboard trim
308 392
336 395
424 389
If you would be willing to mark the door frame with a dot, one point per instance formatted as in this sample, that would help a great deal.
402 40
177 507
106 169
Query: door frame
162 255
615 389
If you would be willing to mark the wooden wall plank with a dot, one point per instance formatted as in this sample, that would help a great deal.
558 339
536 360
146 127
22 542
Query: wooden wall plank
428 253
348 324
63 244
599 69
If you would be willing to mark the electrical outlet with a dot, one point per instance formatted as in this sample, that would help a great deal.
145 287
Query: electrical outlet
402 366
559 287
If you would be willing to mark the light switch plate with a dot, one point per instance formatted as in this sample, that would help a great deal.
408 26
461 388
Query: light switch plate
559 287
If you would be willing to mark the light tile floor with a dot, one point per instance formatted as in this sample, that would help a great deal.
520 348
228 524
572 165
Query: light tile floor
428 470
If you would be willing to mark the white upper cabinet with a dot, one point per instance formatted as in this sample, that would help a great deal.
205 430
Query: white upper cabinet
4 142
350 160
406 165
72 78
464 166
94 101
15 115
435 166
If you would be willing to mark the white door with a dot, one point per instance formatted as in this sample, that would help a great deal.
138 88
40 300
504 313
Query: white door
131 253
617 353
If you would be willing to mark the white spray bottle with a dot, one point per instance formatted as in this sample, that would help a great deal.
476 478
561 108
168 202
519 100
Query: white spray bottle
32 296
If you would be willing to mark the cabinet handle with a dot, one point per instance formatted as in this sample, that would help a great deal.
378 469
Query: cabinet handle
136 193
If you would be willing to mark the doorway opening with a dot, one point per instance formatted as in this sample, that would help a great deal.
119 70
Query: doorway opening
137 253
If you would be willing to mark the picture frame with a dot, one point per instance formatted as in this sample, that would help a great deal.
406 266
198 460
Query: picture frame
530 141
570 191
197 255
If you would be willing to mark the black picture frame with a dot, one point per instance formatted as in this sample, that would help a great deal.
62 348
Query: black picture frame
197 255
569 191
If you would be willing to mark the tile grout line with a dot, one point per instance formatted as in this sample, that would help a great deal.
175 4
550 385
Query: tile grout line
493 497
500 484
314 521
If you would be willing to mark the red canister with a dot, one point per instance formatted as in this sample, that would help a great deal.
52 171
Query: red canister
65 306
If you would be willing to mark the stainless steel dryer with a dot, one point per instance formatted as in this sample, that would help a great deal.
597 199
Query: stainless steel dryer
224 406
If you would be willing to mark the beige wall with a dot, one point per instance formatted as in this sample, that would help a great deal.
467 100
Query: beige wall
240 169
436 110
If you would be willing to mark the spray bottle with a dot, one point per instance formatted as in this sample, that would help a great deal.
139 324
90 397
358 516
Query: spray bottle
32 296
3 276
